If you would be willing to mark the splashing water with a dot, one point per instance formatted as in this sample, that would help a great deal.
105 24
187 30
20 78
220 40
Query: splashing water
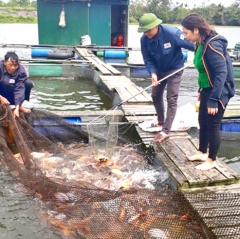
125 169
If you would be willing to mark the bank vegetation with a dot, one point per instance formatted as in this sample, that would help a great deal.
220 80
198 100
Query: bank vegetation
18 11
25 11
174 13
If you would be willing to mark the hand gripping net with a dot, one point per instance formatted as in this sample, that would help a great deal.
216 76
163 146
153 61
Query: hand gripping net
70 201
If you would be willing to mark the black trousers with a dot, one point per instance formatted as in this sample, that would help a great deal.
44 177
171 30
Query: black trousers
209 134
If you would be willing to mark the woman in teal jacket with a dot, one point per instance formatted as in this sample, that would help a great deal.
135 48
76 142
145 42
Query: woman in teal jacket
216 85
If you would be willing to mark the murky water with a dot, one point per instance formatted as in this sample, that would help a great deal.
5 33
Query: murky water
19 212
72 94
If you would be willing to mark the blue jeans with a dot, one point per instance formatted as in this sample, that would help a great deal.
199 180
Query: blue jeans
173 85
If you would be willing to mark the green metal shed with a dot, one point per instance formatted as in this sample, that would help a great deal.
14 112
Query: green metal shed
65 22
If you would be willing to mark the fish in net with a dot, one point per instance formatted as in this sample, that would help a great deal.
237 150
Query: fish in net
103 134
72 203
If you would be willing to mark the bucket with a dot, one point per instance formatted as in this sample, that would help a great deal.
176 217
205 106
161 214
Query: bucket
86 40
40 51
115 54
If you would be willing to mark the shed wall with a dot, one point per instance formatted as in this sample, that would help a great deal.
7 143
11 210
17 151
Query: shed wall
82 18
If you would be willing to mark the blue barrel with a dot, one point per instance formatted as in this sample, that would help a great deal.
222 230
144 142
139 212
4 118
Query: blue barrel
185 54
139 72
115 54
40 51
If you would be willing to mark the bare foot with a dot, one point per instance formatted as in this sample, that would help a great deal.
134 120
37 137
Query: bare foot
199 156
209 164
159 126
24 110
160 137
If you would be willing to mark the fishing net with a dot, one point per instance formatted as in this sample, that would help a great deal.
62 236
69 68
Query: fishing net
84 197
103 134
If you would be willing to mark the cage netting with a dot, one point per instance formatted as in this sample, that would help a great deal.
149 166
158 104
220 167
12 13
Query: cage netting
103 134
76 191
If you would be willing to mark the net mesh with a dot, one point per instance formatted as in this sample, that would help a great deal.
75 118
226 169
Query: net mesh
103 134
63 176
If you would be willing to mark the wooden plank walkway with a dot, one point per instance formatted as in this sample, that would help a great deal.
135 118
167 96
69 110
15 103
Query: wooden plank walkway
233 109
126 90
105 69
172 153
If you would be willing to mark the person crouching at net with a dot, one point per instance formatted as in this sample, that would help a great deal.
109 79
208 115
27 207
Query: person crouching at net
15 87
161 48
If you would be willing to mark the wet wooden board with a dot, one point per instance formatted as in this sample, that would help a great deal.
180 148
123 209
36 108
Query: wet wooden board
108 66
100 67
132 93
84 52
139 118
138 110
221 189
232 110
175 149
115 81
147 137
105 69
126 90
125 95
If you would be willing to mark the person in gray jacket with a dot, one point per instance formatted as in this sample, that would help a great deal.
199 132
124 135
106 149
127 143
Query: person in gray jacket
161 48
15 87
